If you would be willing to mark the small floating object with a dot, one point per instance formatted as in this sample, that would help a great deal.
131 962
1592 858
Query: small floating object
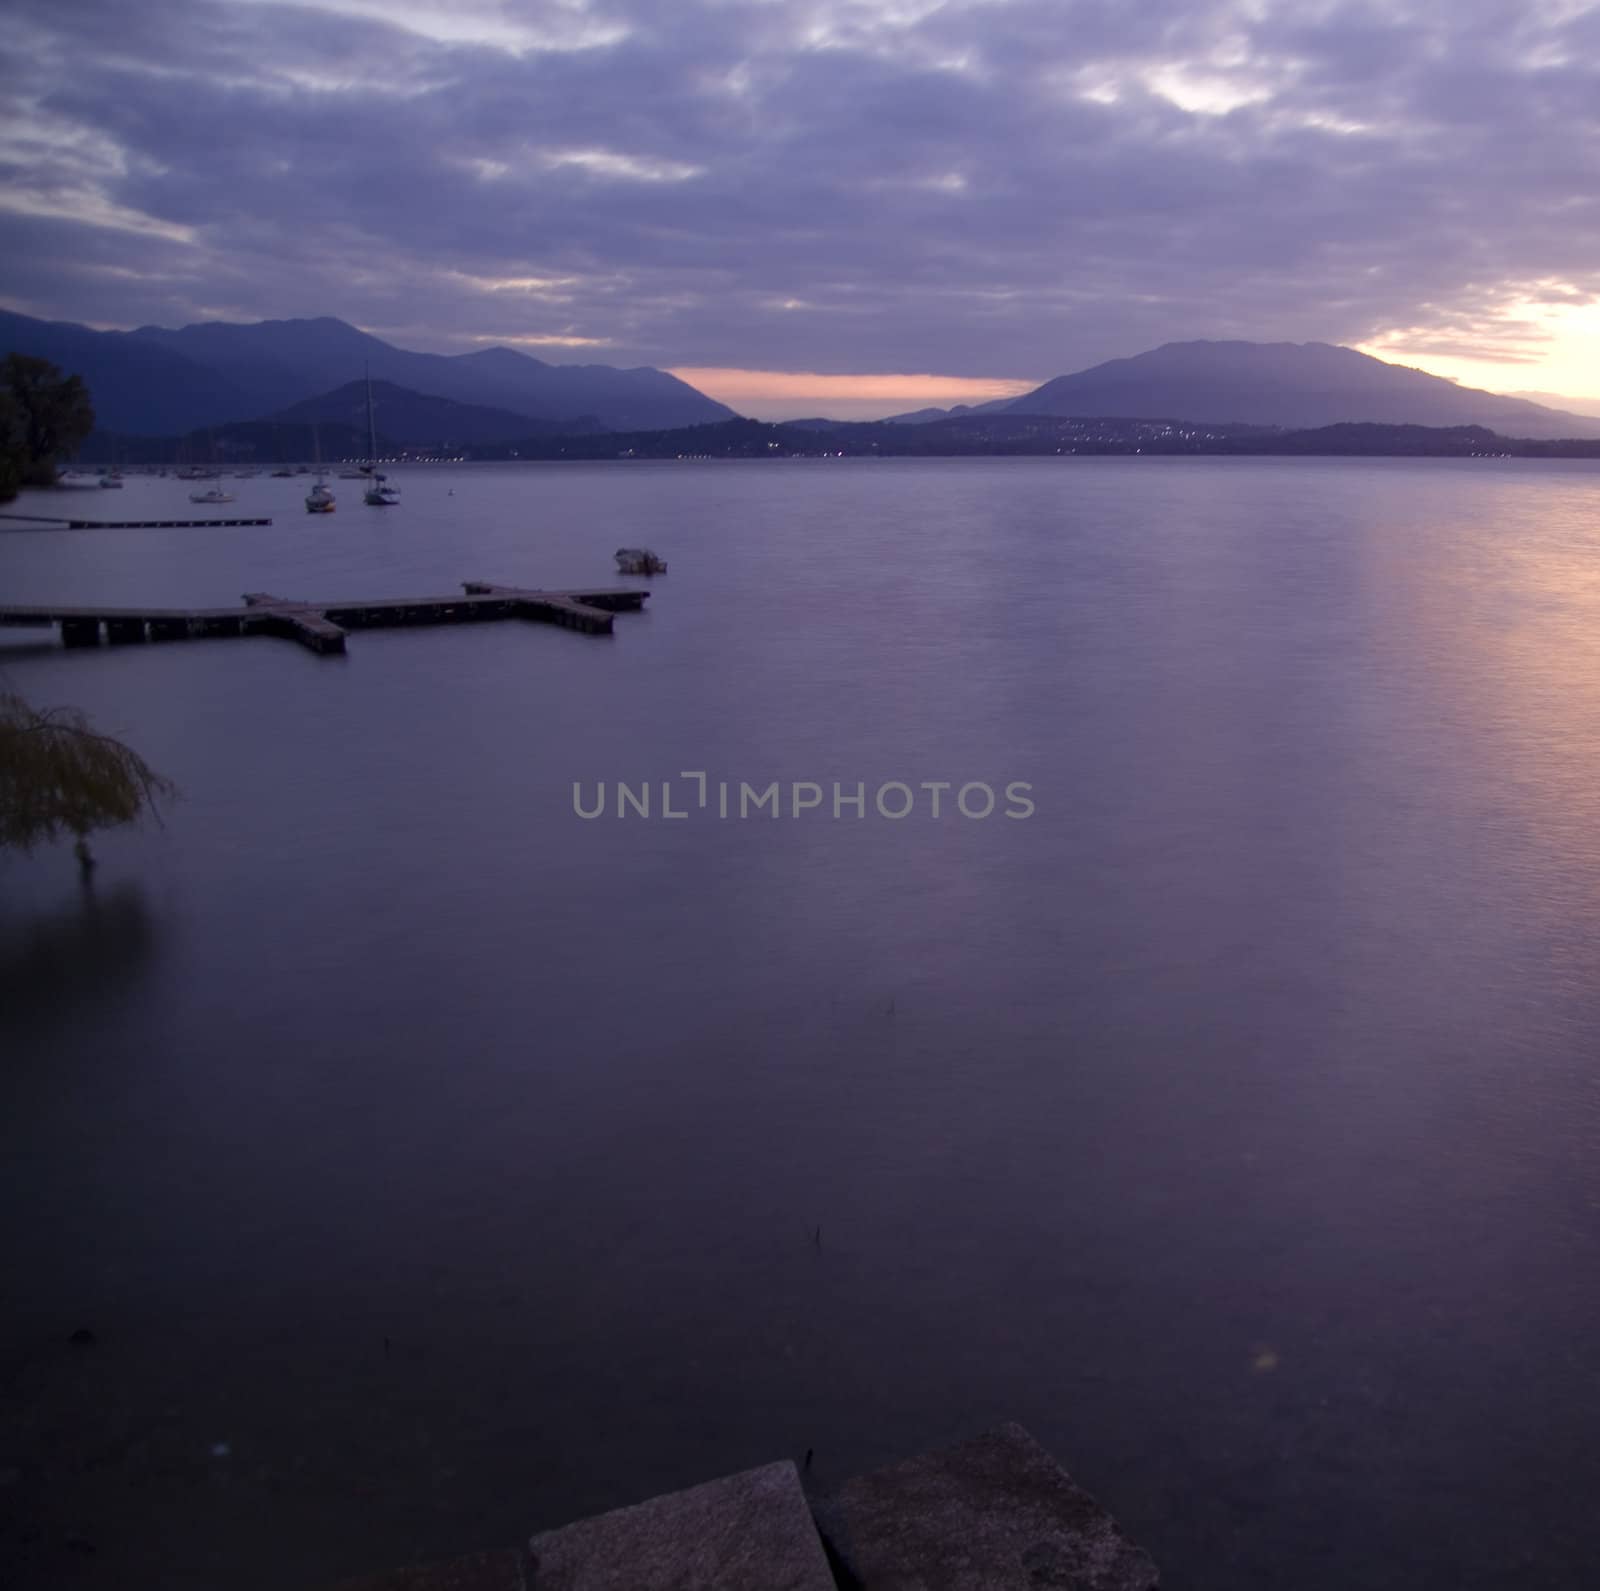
639 561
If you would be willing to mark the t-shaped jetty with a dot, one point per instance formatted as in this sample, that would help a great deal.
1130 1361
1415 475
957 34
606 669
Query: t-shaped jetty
322 625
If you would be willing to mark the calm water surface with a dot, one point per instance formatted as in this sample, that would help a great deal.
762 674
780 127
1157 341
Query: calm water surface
432 1165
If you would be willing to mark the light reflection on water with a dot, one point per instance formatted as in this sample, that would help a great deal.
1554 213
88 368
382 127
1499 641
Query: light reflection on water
1232 1122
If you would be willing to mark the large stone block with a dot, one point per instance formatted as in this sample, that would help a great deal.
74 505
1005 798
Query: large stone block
747 1532
996 1513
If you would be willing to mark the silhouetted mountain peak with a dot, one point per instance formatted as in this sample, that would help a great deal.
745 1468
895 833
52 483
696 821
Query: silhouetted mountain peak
499 357
1294 385
413 418
156 381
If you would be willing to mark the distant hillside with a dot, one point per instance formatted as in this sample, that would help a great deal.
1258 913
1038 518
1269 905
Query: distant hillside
413 419
155 381
258 443
621 400
965 436
924 416
1554 400
1038 435
162 389
1292 385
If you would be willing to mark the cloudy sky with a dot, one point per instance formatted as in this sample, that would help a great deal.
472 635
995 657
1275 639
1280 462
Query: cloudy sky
847 205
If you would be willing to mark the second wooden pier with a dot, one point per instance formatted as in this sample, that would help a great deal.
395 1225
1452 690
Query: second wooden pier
132 524
322 626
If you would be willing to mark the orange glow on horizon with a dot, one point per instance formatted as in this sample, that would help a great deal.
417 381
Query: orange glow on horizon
796 394
1527 343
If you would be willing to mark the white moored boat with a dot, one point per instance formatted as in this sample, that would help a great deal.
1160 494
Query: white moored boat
215 495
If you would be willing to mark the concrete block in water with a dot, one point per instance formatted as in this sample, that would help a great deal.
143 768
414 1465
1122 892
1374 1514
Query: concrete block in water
996 1513
747 1532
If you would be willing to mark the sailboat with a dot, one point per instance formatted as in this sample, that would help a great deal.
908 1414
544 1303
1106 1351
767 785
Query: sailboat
213 493
379 493
204 472
319 500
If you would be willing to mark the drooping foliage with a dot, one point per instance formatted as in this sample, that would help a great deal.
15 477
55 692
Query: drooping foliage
58 776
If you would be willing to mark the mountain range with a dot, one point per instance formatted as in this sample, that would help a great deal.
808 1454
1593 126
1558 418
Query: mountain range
1291 385
159 383
156 382
416 419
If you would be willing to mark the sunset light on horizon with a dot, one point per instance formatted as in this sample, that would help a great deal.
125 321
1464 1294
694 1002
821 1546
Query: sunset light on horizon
990 192
799 394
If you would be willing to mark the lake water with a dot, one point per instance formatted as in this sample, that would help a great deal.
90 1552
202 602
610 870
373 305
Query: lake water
432 1164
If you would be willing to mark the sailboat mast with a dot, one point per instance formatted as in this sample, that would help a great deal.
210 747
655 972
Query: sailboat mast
372 435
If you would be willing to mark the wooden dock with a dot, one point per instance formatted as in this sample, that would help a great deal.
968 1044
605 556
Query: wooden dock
322 626
131 524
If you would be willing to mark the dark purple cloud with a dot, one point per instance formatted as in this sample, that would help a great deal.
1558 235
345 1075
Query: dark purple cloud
984 187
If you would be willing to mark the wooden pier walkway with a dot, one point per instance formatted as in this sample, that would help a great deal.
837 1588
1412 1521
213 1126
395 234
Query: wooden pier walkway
130 524
322 625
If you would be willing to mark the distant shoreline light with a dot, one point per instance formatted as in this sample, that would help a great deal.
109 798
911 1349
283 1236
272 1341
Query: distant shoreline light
804 394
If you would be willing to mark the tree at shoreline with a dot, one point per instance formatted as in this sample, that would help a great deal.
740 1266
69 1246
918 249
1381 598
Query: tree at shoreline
12 457
58 777
43 415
